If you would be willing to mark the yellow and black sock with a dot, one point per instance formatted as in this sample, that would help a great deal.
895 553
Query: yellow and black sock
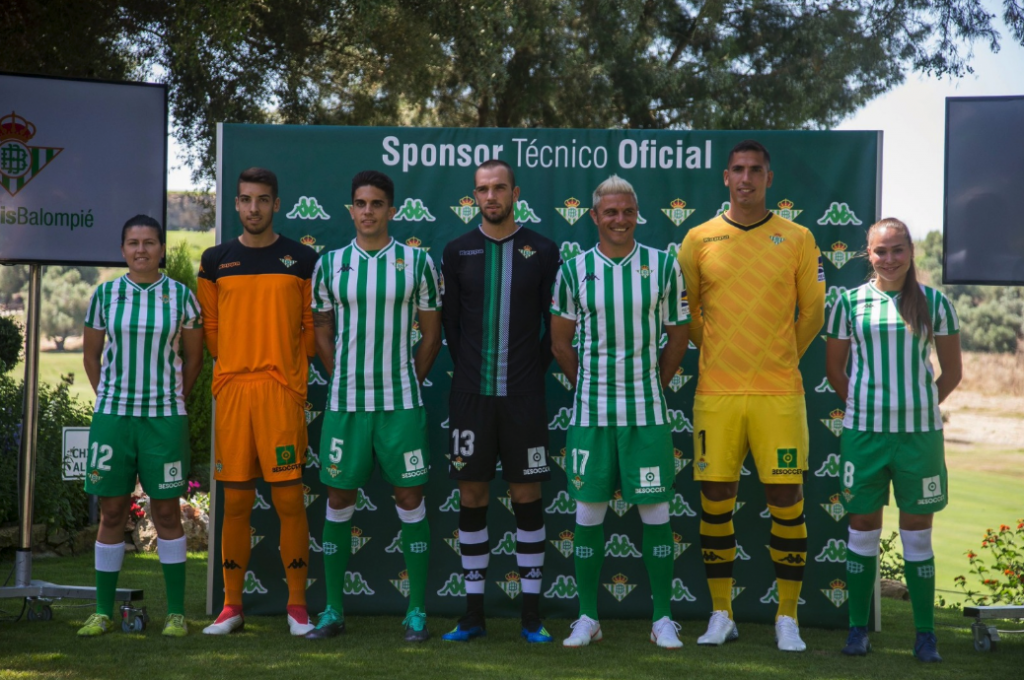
718 546
788 548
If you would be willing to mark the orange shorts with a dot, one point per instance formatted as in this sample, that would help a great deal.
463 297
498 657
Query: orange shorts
260 431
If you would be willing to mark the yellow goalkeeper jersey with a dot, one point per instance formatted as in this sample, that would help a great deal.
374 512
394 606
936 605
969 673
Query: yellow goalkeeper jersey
746 283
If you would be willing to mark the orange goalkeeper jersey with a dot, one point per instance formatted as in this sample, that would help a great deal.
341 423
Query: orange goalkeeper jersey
745 284
257 312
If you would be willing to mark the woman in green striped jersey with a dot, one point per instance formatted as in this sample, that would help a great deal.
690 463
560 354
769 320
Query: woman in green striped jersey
143 349
892 428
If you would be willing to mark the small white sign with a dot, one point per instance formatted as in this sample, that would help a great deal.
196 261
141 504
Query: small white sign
76 452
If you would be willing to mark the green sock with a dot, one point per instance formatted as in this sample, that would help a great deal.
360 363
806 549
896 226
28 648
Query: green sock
416 548
106 587
860 584
174 582
921 584
658 558
588 560
337 545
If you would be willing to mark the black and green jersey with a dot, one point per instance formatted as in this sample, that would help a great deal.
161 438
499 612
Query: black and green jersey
496 296
140 373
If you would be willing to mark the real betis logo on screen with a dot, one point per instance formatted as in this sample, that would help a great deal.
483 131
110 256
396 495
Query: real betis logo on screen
311 415
834 508
835 421
620 587
19 162
358 540
564 543
836 593
308 240
466 210
677 212
414 242
253 538
679 461
307 208
839 255
413 210
511 585
839 215
619 506
572 211
401 583
786 210
679 380
564 588
523 213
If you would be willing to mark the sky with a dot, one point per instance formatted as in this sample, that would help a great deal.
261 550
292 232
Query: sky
912 117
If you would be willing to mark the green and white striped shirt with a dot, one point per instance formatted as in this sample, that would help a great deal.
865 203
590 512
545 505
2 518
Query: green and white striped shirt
374 299
892 385
619 309
140 373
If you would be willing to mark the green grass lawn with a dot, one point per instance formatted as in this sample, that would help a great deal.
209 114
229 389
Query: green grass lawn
197 242
373 646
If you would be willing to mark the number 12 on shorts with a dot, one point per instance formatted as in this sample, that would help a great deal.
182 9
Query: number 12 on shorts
579 461
101 455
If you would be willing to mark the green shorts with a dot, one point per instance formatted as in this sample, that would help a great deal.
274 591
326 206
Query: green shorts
121 447
915 463
598 458
350 440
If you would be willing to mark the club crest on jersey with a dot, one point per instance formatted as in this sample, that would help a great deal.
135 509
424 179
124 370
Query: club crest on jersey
19 162
644 271
308 240
95 477
511 585
834 508
839 255
577 482
399 264
572 211
466 210
677 212
620 587
776 239
679 380
837 593
565 543
619 506
527 252
835 422
414 242
288 261
401 583
786 211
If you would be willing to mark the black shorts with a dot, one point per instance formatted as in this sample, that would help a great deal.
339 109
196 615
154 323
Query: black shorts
483 430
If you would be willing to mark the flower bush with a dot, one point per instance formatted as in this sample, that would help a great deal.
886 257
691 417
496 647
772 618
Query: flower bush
998 568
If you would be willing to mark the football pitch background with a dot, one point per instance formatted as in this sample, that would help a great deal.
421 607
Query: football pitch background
828 182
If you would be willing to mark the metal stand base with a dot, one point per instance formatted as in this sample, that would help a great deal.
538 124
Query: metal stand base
986 637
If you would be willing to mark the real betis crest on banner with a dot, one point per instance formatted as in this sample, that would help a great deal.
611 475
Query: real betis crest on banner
786 210
572 211
677 212
19 162
466 210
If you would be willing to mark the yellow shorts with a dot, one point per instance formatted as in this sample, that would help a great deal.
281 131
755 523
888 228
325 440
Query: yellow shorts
260 431
772 427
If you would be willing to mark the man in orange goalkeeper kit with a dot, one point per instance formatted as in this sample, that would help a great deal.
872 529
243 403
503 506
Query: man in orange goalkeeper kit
255 292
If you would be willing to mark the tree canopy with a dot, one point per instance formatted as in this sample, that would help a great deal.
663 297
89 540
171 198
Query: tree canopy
742 64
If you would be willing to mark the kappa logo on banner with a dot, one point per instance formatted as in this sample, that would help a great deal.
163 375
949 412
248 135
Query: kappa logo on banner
839 215
679 422
260 503
680 593
678 507
363 501
455 586
395 546
833 294
677 212
772 596
524 213
619 545
451 504
252 584
786 211
572 211
834 551
564 588
561 504
824 387
413 210
724 208
315 378
620 587
19 162
506 546
307 208
312 458
310 241
562 419
355 584
569 250
313 545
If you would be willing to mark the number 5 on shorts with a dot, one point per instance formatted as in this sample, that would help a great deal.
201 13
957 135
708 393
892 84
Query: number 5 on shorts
580 467
335 454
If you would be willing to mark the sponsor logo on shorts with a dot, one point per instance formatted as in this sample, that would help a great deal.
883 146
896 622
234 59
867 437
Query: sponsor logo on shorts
415 466
172 476
787 463
650 481
536 461
620 587
286 459
931 489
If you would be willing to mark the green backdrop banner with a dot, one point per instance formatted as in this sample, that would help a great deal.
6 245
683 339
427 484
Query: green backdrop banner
826 181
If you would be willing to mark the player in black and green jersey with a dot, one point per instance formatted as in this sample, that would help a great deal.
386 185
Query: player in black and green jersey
497 289
154 352
892 430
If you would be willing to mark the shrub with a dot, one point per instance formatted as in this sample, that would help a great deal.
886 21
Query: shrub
11 342
1000 569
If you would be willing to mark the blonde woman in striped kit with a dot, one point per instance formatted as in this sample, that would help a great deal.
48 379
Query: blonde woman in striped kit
892 431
